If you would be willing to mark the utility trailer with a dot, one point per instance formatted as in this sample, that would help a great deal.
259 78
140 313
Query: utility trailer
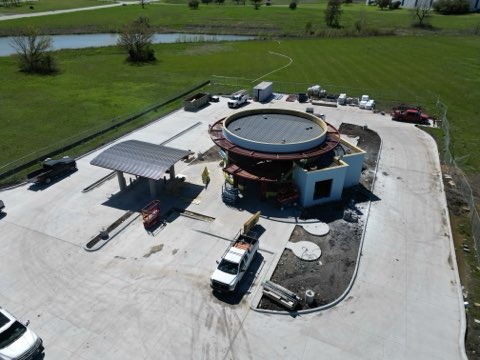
52 169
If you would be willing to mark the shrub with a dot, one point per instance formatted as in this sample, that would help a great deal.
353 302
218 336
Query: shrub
293 5
193 4
383 4
256 4
33 51
451 7
136 39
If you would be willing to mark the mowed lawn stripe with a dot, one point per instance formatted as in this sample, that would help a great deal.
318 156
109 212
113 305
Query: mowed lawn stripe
96 85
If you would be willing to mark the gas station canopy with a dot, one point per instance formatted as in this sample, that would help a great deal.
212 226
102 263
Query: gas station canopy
140 158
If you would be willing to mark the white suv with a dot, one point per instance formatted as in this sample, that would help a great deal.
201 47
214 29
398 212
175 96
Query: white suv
17 342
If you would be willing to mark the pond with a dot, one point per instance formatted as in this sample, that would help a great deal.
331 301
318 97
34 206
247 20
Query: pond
97 40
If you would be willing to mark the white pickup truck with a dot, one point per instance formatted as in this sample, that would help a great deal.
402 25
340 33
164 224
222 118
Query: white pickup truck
234 263
238 99
16 340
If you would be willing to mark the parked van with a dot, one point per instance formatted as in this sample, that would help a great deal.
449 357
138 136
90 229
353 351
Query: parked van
17 342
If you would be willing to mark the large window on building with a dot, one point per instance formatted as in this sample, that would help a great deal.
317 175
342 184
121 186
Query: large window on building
322 189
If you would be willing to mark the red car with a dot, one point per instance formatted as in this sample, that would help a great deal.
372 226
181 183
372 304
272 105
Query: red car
410 115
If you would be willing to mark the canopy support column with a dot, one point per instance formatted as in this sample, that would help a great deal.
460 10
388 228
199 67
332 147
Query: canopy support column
121 180
153 187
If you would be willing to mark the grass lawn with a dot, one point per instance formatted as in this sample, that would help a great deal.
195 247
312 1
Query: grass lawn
237 19
96 85
33 6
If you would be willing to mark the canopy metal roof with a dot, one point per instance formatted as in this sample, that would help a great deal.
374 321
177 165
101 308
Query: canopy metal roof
140 158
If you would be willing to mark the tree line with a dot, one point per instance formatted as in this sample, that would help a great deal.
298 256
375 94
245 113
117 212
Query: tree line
34 49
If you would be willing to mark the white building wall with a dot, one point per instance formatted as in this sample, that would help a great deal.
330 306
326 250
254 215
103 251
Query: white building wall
306 180
354 169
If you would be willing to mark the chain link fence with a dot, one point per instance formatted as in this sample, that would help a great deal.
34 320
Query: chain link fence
76 145
461 181
384 98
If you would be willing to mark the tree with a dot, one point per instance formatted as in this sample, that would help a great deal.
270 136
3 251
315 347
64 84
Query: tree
293 5
450 7
136 39
333 13
143 2
33 52
193 4
256 4
361 23
421 12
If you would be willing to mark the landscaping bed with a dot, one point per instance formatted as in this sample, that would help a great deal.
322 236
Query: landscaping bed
330 275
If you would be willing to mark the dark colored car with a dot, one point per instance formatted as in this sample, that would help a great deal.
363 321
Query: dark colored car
52 169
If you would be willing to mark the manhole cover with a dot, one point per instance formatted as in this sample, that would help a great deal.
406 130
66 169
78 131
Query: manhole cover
305 250
319 228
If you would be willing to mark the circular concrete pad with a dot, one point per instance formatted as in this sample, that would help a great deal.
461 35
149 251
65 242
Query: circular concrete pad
319 228
305 250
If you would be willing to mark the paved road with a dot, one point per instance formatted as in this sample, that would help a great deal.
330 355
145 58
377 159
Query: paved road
55 12
144 296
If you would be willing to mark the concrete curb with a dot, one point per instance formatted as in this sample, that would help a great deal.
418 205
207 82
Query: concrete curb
115 232
463 318
354 276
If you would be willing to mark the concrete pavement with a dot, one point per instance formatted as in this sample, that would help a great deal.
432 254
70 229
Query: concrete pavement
132 300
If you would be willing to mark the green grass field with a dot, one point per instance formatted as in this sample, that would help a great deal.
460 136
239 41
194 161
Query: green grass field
237 19
96 85
33 6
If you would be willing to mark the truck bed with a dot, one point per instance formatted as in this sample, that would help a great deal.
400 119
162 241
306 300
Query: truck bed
34 175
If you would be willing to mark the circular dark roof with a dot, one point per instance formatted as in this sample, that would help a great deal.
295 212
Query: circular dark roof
275 128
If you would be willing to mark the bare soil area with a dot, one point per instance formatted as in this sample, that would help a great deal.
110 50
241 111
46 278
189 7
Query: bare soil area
330 275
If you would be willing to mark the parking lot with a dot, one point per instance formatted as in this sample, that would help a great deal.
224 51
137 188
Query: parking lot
147 295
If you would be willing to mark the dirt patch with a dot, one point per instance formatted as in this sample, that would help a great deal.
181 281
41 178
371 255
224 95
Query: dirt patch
153 250
453 184
211 155
330 275
474 181
465 251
